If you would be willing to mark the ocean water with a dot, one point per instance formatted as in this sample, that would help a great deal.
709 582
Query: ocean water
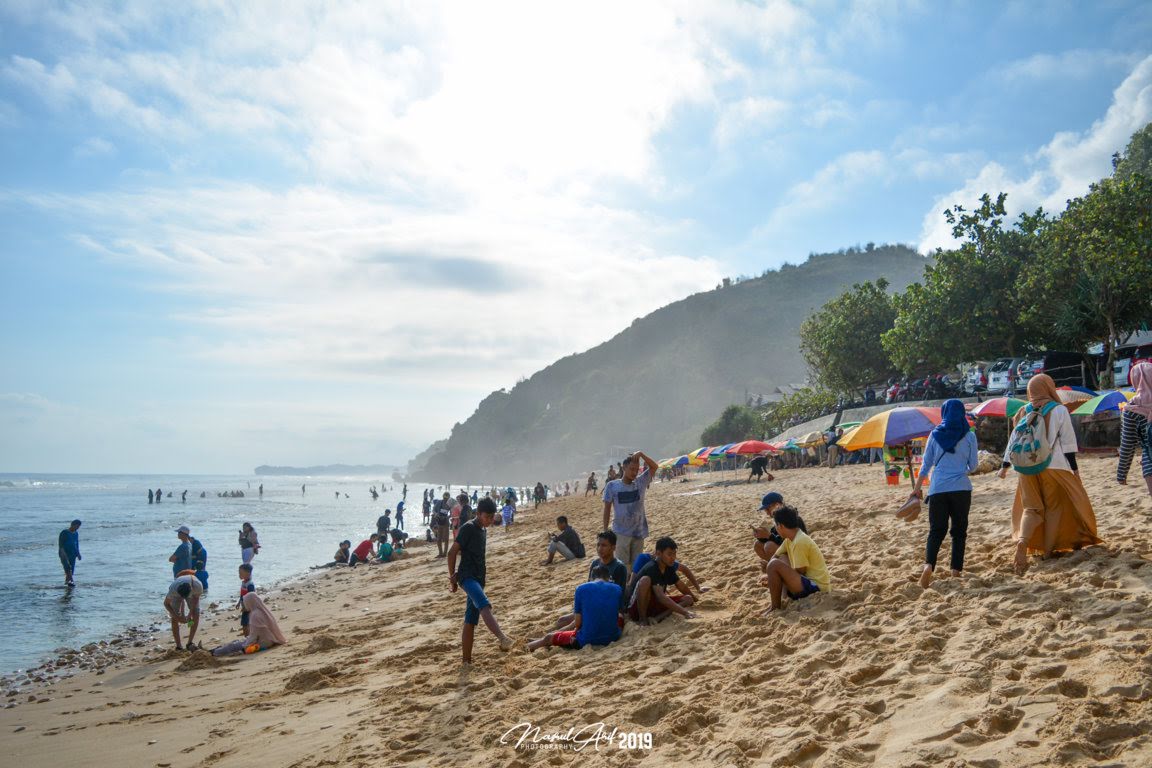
125 544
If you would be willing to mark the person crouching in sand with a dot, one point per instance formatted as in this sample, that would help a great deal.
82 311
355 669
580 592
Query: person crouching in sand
650 599
185 590
798 566
469 547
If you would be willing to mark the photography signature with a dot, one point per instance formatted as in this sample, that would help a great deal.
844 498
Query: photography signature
528 736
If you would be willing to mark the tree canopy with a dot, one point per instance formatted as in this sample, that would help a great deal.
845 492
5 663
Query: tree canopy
841 341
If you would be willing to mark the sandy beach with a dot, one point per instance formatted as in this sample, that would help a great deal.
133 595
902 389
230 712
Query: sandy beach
991 670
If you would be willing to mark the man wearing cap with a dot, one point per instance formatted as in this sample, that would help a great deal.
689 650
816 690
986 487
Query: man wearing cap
68 545
181 559
768 539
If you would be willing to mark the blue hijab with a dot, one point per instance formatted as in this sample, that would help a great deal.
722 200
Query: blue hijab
952 429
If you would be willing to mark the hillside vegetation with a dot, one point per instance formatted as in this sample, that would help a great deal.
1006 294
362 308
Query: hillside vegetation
658 383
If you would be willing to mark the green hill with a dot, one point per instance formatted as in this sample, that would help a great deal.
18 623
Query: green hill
658 383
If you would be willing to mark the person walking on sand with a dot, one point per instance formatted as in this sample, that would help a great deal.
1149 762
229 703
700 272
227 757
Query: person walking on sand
68 547
1051 511
591 486
625 495
949 455
1134 421
469 548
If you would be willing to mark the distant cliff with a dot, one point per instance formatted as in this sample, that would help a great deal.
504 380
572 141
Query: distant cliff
357 470
658 383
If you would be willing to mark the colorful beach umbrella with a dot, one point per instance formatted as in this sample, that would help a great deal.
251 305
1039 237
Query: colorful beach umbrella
893 427
811 439
1109 401
751 446
1072 396
1004 407
719 451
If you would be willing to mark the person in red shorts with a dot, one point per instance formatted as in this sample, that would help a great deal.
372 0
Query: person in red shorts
595 615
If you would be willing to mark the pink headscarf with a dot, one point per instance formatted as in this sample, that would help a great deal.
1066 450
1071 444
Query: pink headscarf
1141 378
262 625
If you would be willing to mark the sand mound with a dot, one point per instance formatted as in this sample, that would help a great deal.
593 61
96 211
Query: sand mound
198 660
312 679
322 643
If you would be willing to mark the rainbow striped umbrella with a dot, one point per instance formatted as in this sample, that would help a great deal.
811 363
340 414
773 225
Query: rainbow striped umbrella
893 427
1109 401
1004 407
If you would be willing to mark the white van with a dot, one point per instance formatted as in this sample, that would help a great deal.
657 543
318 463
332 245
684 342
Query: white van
1002 375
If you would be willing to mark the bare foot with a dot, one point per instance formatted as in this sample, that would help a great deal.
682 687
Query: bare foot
768 613
1020 563
957 574
506 643
926 577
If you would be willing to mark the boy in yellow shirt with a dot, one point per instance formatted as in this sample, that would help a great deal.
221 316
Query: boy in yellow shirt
798 566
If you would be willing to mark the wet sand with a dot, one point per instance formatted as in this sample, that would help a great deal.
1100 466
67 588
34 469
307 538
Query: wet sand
990 670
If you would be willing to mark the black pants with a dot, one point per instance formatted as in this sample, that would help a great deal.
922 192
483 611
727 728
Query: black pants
944 508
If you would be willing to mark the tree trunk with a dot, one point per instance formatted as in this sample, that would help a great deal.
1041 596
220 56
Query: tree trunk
1111 356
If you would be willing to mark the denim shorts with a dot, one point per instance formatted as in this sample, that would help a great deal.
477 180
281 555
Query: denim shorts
477 600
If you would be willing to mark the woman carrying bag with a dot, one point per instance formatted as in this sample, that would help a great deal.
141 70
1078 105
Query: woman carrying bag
1051 512
949 455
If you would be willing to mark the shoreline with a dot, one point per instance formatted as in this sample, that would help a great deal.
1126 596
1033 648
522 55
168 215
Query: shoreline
989 670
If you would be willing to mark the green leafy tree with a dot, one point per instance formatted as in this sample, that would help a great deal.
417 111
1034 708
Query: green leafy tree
800 406
970 305
736 423
841 341
1137 156
1096 279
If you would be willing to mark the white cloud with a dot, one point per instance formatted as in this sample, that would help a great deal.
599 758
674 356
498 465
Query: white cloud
749 116
1066 65
94 146
1062 169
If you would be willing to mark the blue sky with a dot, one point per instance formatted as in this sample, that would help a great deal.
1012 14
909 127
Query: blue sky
300 233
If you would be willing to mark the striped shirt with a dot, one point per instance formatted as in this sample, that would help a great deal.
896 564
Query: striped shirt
1133 432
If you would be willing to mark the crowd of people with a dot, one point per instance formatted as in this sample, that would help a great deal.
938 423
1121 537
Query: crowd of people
1051 513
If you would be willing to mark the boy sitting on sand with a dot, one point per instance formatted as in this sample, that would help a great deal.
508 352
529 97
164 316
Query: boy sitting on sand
617 574
768 539
798 565
595 615
650 599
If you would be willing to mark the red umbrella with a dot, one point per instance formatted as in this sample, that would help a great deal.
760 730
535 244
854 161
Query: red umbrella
751 446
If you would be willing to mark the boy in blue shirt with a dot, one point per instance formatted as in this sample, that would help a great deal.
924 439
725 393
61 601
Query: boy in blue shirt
595 615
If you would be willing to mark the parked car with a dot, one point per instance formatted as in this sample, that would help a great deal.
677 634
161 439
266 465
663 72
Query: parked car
1126 357
1002 375
1065 368
975 376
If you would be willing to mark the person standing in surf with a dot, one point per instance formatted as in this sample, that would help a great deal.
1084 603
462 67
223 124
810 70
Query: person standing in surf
68 544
